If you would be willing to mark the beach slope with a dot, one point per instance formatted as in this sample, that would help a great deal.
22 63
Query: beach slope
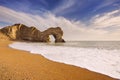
21 65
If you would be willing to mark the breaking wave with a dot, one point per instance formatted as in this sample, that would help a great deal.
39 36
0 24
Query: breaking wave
99 60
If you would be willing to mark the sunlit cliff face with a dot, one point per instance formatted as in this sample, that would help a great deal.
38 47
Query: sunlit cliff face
21 32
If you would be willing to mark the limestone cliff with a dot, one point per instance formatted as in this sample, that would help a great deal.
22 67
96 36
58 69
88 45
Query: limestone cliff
22 32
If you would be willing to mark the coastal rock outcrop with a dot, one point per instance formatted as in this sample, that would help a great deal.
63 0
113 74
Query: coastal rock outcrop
20 32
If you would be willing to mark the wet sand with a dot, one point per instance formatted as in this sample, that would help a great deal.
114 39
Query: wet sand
22 65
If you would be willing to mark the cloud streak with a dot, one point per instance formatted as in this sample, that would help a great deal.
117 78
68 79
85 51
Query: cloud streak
109 20
105 3
64 7
73 30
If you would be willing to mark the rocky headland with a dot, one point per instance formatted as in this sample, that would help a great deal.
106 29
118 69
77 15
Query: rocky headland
21 32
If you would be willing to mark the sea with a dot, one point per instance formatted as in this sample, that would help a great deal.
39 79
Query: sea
99 56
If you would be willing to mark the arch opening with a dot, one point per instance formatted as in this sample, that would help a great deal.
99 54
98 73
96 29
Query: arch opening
52 38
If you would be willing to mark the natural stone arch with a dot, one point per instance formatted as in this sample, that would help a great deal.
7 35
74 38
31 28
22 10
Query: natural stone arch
56 32
23 32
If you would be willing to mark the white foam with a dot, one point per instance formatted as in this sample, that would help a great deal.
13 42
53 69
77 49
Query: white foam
98 60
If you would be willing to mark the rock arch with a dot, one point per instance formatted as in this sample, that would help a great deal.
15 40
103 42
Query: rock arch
56 32
23 32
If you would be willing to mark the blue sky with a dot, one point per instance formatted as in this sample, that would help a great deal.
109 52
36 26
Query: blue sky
85 17
71 9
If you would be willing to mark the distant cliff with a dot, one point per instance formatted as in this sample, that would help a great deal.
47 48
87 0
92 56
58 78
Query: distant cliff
22 32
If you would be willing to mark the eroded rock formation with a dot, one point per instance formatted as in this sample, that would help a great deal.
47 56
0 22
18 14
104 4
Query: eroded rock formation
22 32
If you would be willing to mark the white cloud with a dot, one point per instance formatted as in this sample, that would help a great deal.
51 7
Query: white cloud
64 7
107 20
105 3
73 30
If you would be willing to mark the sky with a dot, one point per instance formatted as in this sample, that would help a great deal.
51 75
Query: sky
79 19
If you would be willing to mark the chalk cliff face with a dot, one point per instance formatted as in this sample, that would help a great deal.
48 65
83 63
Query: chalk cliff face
22 32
